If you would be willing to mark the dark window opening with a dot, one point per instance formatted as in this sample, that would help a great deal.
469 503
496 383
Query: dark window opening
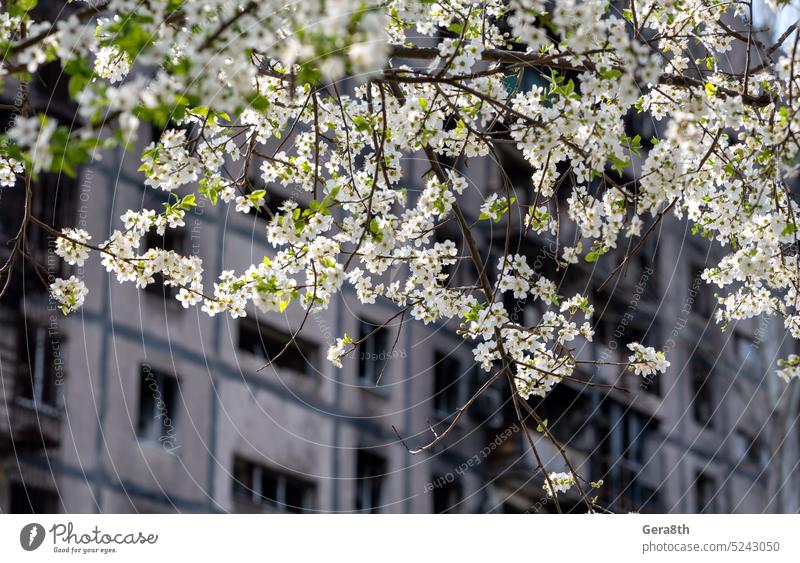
705 494
488 409
647 262
531 78
446 496
373 353
625 437
50 93
268 343
702 390
260 486
446 384
32 500
567 411
158 393
704 301
370 470
747 356
37 373
750 450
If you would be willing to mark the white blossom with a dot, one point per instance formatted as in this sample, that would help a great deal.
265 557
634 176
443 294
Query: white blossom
68 293
561 483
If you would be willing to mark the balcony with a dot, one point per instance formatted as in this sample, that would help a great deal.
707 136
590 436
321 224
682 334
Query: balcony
30 383
26 427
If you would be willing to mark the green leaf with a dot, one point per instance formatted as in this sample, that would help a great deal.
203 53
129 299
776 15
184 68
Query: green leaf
76 85
455 27
188 201
22 6
619 164
611 74
362 124
375 230
258 102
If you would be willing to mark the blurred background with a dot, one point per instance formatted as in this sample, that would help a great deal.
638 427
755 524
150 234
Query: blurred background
137 405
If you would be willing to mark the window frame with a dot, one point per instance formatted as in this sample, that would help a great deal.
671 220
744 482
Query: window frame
254 495
370 371
35 361
710 505
452 390
155 431
371 470
302 350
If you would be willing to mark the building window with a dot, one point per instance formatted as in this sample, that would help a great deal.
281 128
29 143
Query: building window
32 500
158 393
172 239
647 260
702 389
447 496
266 343
704 300
623 456
747 356
373 352
750 450
705 493
488 406
37 373
262 487
446 384
370 471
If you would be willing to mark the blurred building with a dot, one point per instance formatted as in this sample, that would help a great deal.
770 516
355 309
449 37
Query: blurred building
137 405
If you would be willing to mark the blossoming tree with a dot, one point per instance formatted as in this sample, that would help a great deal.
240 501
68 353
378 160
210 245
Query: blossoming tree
257 89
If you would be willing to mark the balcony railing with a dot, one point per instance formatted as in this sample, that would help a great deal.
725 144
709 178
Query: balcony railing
26 426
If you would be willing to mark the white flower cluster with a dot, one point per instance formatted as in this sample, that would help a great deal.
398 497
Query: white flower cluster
790 368
561 483
120 256
533 351
112 64
246 97
168 164
68 293
72 246
9 168
645 360
339 351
